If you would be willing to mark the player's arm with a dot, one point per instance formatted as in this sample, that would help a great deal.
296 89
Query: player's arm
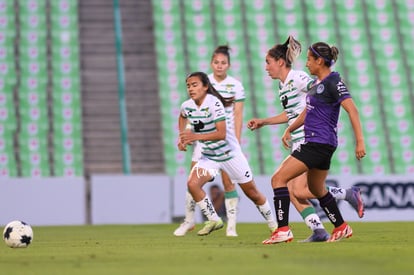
257 123
349 106
187 137
238 118
182 123
299 121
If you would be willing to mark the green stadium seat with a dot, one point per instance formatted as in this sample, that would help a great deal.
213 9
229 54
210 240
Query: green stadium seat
32 7
64 7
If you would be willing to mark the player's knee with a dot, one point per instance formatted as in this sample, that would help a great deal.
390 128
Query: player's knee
278 180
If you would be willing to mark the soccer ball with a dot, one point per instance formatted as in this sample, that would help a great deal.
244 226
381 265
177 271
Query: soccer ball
17 234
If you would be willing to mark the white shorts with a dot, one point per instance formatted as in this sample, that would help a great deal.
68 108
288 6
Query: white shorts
237 168
196 151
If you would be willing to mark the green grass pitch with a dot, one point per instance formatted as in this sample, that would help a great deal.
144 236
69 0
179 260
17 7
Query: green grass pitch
375 248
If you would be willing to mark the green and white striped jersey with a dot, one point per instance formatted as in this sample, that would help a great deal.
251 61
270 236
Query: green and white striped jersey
203 120
229 87
292 94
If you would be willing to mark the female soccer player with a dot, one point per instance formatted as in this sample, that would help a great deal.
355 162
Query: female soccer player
293 86
320 118
228 87
205 110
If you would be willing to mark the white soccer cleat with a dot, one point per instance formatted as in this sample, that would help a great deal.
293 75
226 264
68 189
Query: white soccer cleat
184 228
231 232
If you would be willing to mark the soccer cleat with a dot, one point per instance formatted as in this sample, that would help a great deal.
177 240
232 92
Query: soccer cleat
184 228
210 226
231 231
340 232
353 196
319 235
280 235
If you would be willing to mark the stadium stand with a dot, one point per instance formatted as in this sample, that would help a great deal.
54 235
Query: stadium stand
371 63
172 71
230 18
67 129
26 129
49 128
100 108
32 89
8 80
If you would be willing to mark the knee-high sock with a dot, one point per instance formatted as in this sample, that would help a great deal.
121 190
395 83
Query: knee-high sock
282 203
189 208
328 204
311 219
231 200
207 209
267 214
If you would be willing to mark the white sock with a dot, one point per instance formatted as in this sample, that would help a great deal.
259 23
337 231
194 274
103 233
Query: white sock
207 209
314 222
231 211
267 213
189 208
337 193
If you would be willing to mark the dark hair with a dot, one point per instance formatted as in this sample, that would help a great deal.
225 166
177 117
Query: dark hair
222 49
211 90
328 53
287 51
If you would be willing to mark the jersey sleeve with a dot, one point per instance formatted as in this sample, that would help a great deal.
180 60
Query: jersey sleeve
341 91
304 82
240 94
183 110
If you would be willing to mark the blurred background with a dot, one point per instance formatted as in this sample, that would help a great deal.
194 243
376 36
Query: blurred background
92 88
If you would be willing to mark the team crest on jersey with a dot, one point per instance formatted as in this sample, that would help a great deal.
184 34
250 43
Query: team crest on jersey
206 111
320 89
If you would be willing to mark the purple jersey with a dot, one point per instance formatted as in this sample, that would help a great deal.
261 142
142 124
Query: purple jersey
323 103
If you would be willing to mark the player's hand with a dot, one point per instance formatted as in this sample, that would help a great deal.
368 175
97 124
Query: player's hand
181 146
360 150
255 123
287 139
187 137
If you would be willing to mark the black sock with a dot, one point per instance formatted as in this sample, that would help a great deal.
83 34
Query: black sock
328 204
282 203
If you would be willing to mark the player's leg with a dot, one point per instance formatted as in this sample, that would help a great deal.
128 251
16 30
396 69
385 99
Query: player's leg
307 211
316 183
199 176
351 195
289 169
261 202
239 171
189 219
231 201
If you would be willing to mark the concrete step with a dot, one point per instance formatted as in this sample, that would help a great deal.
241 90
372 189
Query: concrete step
100 87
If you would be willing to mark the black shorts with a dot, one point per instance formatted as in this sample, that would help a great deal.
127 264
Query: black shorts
315 155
